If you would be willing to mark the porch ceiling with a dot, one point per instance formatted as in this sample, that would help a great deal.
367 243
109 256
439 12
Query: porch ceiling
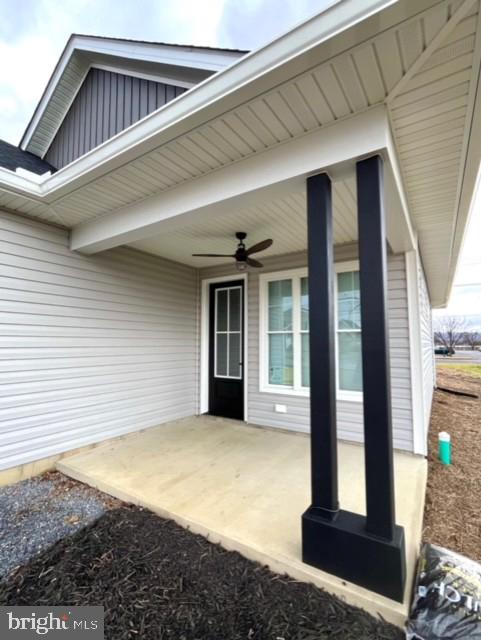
283 219
420 59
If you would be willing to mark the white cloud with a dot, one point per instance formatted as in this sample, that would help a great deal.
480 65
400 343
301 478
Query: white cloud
27 64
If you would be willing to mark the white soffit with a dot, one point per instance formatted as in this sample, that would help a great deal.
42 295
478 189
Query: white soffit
431 113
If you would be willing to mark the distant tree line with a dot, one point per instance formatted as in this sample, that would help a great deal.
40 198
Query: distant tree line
454 331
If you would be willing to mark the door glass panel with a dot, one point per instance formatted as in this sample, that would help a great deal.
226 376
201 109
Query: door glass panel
280 305
228 332
222 355
350 361
281 363
234 355
234 309
348 300
221 309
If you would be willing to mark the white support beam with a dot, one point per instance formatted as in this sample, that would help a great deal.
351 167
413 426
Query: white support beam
240 183
400 230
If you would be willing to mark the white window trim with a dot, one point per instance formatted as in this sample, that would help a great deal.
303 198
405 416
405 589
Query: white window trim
296 389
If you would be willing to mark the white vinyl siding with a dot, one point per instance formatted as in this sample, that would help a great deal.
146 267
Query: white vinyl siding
261 405
427 346
91 347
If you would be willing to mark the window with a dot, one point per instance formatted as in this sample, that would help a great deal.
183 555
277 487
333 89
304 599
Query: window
284 344
348 331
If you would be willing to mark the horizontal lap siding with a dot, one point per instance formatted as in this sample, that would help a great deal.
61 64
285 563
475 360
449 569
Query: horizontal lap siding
427 346
350 419
90 347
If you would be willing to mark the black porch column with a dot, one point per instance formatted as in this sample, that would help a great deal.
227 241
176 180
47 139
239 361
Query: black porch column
322 352
368 551
376 372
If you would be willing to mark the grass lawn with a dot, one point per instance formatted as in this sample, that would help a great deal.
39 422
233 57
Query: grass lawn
473 370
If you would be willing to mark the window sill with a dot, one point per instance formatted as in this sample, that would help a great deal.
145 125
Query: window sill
342 396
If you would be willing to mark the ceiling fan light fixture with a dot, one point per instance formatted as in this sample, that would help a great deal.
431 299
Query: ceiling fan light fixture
241 266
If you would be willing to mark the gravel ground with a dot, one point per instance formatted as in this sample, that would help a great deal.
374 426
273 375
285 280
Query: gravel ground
36 513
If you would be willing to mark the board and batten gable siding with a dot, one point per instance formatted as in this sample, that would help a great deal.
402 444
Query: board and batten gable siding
261 404
92 347
427 346
107 103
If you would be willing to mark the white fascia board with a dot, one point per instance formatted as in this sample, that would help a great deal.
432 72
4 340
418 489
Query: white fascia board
23 185
47 95
231 186
197 58
470 179
216 94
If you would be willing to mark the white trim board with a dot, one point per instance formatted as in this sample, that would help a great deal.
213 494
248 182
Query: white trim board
415 354
204 340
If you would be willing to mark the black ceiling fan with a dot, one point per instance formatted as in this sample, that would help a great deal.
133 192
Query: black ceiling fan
242 255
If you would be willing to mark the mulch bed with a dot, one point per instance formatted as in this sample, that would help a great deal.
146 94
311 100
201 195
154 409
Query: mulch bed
453 500
158 580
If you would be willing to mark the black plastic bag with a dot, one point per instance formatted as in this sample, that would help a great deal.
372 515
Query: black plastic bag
447 597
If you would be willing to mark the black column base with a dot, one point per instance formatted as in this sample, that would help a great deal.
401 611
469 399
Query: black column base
341 546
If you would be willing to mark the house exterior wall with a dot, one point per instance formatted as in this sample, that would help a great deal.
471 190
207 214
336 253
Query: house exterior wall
427 346
106 103
350 421
92 347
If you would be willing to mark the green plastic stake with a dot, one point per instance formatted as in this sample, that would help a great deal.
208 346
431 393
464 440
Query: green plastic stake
445 447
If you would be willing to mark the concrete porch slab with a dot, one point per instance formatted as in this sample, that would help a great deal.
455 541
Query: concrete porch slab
246 487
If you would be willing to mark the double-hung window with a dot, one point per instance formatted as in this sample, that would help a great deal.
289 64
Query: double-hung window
284 327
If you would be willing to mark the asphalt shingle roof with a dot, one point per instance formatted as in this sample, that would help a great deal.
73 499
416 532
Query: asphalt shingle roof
12 157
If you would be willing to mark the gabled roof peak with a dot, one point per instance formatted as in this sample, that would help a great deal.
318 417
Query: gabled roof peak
181 65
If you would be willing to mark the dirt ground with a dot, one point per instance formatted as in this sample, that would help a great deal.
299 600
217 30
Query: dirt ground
452 516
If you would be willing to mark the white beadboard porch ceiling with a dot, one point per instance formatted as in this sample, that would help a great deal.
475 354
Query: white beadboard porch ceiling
425 68
283 219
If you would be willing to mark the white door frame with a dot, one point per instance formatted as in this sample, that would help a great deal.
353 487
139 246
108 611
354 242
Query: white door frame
204 339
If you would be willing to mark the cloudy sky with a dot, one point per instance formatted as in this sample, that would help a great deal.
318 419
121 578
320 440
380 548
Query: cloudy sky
34 32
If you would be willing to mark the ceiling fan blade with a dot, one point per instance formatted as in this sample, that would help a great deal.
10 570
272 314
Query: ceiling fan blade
213 255
260 246
254 263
